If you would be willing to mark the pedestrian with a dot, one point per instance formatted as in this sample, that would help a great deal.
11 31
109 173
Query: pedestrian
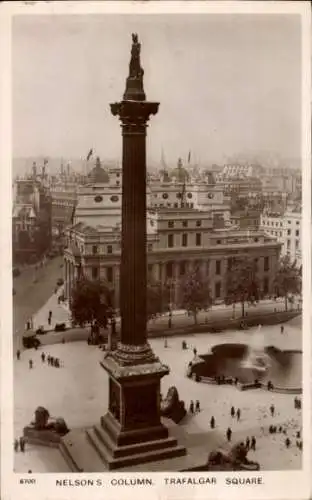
197 406
280 429
15 444
282 329
28 325
270 386
236 381
212 422
52 360
30 362
232 411
192 406
18 354
247 443
298 434
169 322
43 357
22 443
57 362
194 351
36 347
287 442
229 434
238 414
49 359
166 343
253 443
272 410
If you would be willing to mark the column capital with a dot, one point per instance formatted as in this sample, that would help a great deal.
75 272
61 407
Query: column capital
134 115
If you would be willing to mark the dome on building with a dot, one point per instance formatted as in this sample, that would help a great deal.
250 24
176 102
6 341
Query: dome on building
98 175
180 173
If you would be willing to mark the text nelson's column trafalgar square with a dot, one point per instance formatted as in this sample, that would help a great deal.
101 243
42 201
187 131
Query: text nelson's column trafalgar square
131 432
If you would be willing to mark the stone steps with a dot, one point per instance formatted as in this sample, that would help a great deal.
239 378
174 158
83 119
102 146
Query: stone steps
79 454
137 454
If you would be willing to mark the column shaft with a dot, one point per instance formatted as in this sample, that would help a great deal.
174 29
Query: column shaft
133 262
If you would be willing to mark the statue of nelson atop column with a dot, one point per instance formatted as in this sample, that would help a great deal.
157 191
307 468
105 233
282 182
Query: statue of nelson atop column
134 84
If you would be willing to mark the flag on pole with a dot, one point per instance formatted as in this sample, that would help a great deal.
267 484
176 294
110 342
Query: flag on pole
189 157
89 154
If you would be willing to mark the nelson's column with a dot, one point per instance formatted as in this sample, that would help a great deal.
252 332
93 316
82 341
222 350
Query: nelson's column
131 432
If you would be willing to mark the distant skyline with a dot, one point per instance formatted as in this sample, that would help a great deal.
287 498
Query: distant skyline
228 85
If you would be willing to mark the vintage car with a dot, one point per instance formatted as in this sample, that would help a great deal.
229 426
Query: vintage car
30 340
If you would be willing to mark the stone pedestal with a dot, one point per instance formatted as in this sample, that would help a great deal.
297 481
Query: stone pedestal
132 432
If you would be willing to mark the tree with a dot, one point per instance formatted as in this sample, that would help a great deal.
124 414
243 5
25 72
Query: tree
287 279
157 298
195 292
91 302
241 282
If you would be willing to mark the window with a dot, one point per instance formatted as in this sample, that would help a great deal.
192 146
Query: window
184 223
297 244
266 263
256 240
265 286
219 242
109 274
95 273
176 205
289 221
198 223
297 222
297 232
256 264
94 249
150 247
218 290
288 243
184 240
198 239
170 240
218 266
182 268
165 196
169 269
171 223
229 263
109 249
189 195
150 268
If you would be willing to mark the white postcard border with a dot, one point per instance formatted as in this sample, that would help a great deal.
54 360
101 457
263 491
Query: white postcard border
276 485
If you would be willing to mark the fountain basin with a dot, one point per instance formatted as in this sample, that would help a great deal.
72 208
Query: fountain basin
230 362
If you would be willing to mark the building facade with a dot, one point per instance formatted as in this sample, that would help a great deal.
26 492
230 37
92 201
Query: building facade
31 219
286 228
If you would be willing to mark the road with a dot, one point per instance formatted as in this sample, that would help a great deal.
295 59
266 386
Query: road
30 295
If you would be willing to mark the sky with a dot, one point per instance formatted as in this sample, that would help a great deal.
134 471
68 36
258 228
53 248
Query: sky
228 85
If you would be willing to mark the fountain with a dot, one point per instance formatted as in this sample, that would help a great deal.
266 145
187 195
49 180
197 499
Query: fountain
252 364
256 359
